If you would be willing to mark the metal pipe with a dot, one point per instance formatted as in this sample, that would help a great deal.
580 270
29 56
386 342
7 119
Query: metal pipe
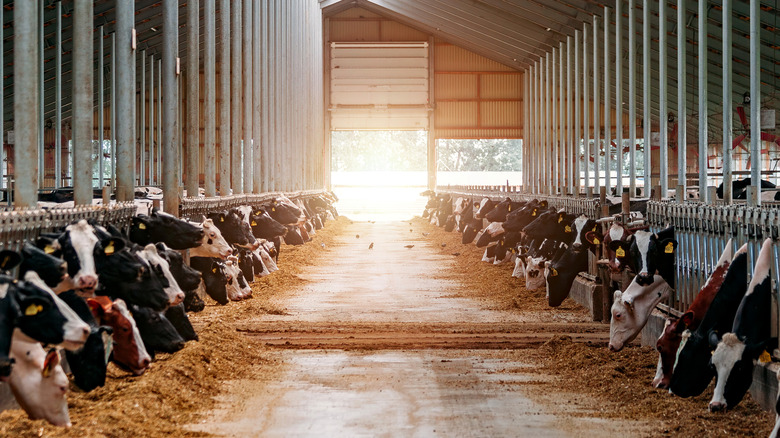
728 134
538 136
248 108
561 156
125 96
160 145
209 98
619 96
170 53
596 107
663 165
112 104
577 120
236 181
546 126
257 103
101 109
631 99
41 104
26 100
152 112
193 99
57 99
586 107
554 125
647 115
607 106
703 110
755 100
682 101
224 98
269 68
526 126
142 152
83 74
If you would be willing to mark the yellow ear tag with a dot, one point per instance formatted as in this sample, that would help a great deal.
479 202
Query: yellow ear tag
33 309
509 208
214 270
765 357
48 249
273 209
109 249
141 226
620 252
560 218
567 229
221 219
669 248
553 272
594 228
254 224
534 213
596 241
5 261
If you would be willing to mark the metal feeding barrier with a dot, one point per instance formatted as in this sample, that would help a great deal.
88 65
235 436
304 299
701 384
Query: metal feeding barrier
25 225
195 209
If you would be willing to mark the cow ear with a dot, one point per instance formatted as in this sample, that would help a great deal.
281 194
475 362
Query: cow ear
615 245
97 309
668 246
714 339
140 222
112 245
50 363
593 237
617 296
685 321
9 259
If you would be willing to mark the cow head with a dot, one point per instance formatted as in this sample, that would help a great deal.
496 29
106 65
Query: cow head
214 277
157 332
560 274
264 226
39 383
586 233
212 244
186 277
129 351
166 228
617 243
284 211
161 268
78 245
555 225
631 310
485 207
178 317
502 209
52 270
652 254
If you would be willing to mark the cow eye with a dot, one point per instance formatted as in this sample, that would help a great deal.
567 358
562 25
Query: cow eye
618 315
213 235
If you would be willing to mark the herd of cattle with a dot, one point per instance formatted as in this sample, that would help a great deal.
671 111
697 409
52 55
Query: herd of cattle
122 295
723 333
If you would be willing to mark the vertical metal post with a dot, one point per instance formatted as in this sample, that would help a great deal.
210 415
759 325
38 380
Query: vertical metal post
596 106
193 98
631 98
562 156
224 99
607 105
101 113
526 126
554 120
432 153
547 127
257 103
26 100
728 134
113 111
577 119
160 127
170 102
646 98
663 165
586 107
755 100
235 98
248 108
83 75
703 110
41 104
619 96
142 152
265 143
682 99
209 98
152 112
57 99
125 96
538 136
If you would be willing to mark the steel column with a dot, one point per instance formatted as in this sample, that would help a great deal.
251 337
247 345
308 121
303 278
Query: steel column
663 165
682 107
561 157
236 180
607 106
586 107
224 99
160 145
646 110
703 110
755 99
596 107
57 98
26 99
41 104
257 104
554 125
619 96
112 107
209 99
170 128
728 134
266 144
101 113
248 108
526 127
631 98
547 127
432 153
125 97
142 152
193 98
83 74
577 119
152 112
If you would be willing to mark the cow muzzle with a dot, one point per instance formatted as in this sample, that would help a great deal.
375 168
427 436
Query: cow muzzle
717 406
644 279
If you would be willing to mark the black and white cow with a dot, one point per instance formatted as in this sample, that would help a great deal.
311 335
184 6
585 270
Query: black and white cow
560 274
158 334
88 364
214 278
166 228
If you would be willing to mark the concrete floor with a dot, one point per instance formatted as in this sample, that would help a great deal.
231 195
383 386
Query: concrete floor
364 353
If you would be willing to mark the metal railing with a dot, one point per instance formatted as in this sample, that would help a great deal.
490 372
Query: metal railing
195 208
572 204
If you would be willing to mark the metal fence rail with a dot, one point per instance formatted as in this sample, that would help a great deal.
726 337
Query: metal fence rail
572 204
195 208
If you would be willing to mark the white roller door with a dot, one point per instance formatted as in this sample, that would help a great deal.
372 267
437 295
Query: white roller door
379 86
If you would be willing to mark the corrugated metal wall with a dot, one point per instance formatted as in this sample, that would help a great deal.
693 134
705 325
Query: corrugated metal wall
474 97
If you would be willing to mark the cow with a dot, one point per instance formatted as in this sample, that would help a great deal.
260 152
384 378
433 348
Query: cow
617 243
75 330
235 230
561 273
186 277
52 270
739 188
177 315
78 246
284 211
128 352
212 242
214 278
162 269
88 364
157 333
653 253
485 207
520 218
264 226
470 230
536 260
552 225
631 310
492 233
670 338
237 287
38 382
166 228
500 211
750 335
692 372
